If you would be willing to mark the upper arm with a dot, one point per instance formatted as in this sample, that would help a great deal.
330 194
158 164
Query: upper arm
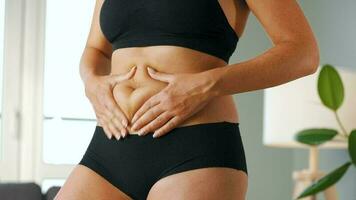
96 38
283 20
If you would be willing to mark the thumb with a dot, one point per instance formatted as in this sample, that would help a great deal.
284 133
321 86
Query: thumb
165 77
121 77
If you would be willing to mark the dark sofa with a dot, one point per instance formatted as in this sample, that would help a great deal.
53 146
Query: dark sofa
26 191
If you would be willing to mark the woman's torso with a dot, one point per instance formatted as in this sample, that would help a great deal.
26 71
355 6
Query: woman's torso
131 94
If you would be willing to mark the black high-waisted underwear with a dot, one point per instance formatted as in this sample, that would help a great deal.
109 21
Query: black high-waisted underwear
135 163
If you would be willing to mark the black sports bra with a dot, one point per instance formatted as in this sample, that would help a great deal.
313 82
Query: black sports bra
196 24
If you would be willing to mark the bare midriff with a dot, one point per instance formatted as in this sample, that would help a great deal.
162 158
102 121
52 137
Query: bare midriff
132 93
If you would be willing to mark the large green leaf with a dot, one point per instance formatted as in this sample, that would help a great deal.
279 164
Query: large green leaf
315 136
326 181
352 146
330 87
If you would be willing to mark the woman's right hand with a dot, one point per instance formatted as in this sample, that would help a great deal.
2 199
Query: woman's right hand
99 91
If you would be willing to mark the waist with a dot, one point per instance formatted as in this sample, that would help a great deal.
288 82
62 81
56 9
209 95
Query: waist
132 93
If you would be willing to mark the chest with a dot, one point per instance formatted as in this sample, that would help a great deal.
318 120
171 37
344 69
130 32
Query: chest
183 17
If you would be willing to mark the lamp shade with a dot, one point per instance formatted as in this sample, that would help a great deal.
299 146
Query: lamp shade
294 106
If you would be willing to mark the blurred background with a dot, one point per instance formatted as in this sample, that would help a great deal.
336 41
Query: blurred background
47 122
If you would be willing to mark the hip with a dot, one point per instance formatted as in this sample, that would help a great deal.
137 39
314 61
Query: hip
217 141
135 164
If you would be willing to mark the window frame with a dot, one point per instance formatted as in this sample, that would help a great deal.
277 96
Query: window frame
11 105
33 89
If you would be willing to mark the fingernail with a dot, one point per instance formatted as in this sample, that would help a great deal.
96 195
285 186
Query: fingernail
133 69
117 137
150 69
141 132
154 135
123 133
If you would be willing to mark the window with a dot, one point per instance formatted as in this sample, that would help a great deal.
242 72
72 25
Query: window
69 119
44 135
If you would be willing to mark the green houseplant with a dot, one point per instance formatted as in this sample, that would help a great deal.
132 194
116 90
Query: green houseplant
331 93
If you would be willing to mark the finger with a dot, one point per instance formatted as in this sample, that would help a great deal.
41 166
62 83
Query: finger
152 113
112 106
120 126
156 123
107 132
147 105
167 127
105 113
99 122
116 115
101 119
114 125
166 77
121 77
114 130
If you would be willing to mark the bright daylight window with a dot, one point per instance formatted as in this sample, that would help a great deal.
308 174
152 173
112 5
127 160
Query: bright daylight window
69 119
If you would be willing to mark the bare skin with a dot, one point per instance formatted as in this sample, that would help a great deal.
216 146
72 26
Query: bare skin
118 91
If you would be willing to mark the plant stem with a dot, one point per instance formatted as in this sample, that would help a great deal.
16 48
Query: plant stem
340 124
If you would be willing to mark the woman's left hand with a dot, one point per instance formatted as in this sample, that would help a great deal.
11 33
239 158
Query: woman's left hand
185 95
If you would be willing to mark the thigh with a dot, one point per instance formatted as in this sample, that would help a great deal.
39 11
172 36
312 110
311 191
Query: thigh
208 183
84 183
